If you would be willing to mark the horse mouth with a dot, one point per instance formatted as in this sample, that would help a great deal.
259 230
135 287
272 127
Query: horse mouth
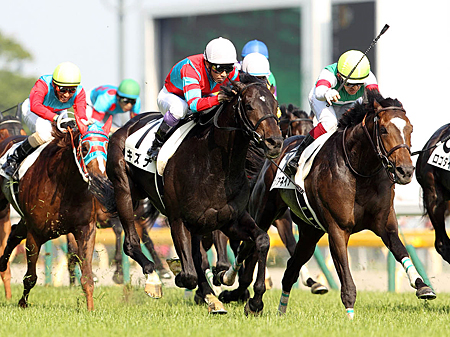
404 174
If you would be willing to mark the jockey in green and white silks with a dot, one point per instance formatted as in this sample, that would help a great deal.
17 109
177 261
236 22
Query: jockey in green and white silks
327 103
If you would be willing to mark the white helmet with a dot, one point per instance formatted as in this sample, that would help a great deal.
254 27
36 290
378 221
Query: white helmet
220 51
256 64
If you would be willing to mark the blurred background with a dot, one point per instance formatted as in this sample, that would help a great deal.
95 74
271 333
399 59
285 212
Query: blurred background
141 39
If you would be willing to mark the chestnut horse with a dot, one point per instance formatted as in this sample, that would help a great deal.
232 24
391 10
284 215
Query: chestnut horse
350 188
10 125
54 197
435 183
205 184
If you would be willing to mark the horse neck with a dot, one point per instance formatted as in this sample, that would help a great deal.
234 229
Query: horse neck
360 150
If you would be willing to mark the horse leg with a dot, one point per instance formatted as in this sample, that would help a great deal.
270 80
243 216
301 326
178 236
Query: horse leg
390 238
85 238
29 280
182 242
5 230
204 293
148 242
117 228
18 233
304 249
72 257
436 207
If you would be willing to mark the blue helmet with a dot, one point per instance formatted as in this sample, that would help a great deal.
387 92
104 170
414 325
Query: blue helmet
255 46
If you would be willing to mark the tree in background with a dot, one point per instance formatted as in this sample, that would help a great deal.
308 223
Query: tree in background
14 87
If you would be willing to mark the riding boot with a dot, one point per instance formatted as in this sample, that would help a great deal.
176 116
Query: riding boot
160 138
10 167
292 165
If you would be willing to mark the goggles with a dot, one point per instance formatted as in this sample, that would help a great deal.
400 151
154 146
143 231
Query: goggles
126 100
63 90
220 68
351 85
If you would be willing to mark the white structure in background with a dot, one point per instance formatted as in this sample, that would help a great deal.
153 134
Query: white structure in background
411 58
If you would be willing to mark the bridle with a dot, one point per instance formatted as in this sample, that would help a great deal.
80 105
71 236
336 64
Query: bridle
378 147
248 128
292 121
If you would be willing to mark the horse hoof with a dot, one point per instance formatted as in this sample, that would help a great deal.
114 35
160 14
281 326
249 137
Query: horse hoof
23 303
318 289
153 286
425 293
117 278
215 307
174 265
249 311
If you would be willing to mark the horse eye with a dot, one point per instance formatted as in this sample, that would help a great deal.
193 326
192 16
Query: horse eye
85 149
248 107
383 130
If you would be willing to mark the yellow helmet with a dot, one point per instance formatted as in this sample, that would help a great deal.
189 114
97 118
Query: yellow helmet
348 61
67 74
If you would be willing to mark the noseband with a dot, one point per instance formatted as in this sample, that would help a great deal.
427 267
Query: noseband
378 147
248 128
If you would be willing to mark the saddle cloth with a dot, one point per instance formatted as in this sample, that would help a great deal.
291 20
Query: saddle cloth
137 144
441 156
26 164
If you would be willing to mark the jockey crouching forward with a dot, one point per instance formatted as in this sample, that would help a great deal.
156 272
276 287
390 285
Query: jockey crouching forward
191 82
51 96
121 102
327 102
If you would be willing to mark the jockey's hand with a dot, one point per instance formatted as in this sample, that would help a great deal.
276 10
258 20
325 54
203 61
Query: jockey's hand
226 94
332 95
86 122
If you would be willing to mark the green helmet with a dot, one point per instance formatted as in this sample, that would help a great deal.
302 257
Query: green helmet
129 88
348 61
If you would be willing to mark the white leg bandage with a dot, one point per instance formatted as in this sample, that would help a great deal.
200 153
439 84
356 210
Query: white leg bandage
284 299
411 271
230 274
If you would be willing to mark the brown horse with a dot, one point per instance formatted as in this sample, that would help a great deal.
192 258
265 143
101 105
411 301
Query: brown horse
350 188
205 185
435 183
54 197
145 217
10 125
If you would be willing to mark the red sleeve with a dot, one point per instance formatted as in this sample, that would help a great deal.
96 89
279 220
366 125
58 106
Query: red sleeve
97 115
79 106
37 96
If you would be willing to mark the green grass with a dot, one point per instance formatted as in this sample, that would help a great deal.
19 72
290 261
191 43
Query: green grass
127 311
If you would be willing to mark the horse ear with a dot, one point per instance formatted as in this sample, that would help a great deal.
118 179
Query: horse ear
272 89
107 126
81 126
376 105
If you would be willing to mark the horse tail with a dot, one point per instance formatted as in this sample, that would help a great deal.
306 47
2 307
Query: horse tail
103 191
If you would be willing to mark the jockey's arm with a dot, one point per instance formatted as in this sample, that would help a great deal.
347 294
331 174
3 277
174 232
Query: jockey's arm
37 95
325 82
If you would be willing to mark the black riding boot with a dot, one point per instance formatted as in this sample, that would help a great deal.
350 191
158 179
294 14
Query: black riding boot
10 167
160 138
292 165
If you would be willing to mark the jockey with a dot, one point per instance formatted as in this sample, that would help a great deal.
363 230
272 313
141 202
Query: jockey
256 46
257 65
109 100
51 96
190 83
327 103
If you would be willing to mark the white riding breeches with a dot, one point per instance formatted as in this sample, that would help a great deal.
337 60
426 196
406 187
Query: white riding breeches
38 124
327 115
167 101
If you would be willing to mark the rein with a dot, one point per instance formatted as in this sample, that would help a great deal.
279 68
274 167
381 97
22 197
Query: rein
379 149
79 160
249 129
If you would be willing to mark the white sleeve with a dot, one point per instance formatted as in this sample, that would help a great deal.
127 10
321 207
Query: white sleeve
371 79
328 77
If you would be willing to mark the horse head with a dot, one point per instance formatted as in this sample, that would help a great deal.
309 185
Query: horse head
294 122
394 130
256 110
92 147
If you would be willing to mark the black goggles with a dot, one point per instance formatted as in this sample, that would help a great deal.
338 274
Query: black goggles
351 85
127 100
220 68
70 90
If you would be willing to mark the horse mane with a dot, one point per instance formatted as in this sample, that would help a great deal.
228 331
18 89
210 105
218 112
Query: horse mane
356 113
294 110
62 139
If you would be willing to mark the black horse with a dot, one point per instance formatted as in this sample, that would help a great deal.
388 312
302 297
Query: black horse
205 184
350 188
435 183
